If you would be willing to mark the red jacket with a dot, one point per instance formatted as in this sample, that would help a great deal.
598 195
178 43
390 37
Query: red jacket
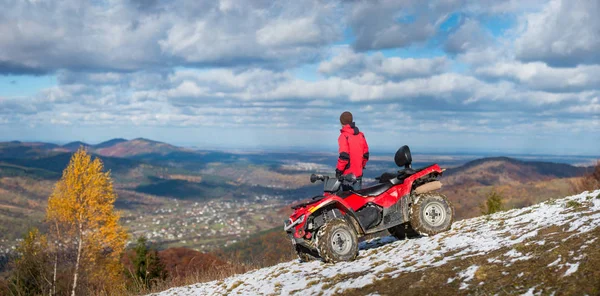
354 151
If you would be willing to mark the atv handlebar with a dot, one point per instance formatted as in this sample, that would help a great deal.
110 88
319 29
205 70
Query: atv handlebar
314 178
348 178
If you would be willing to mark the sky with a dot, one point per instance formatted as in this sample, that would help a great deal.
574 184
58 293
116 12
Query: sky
500 76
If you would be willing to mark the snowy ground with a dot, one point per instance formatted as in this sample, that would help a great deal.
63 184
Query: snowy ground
511 233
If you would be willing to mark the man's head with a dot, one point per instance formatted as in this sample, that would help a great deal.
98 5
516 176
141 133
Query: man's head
346 118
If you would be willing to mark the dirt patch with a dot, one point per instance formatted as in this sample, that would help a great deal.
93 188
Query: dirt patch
550 230
340 278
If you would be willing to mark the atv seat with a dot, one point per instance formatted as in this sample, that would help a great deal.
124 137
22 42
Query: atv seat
374 190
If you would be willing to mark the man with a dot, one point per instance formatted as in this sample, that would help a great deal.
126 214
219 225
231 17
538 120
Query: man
354 151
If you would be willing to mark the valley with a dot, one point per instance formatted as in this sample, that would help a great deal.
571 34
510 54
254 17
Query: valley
207 200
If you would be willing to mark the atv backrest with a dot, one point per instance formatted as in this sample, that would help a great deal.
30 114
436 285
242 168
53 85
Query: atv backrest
403 158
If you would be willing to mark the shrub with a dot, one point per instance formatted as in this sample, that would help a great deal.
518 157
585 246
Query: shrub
493 204
588 182
32 269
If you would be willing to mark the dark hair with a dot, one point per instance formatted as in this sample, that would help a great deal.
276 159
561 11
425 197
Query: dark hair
346 118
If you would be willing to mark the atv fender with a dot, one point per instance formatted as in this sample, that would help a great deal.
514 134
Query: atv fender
431 186
347 213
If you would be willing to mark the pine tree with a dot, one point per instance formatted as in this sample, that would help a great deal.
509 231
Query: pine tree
493 204
140 261
82 209
147 265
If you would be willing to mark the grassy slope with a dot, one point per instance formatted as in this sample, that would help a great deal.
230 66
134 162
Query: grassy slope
549 248
22 204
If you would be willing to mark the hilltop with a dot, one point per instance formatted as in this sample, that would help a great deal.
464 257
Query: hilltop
547 248
136 147
520 183
73 146
114 147
505 170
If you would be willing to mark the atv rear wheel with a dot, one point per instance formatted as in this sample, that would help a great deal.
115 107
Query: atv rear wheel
337 241
305 254
431 214
403 231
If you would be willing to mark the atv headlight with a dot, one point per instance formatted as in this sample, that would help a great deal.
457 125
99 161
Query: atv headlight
292 224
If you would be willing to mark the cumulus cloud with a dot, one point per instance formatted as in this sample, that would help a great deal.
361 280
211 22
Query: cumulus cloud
269 91
350 64
564 33
44 36
391 24
388 24
266 65
468 36
540 76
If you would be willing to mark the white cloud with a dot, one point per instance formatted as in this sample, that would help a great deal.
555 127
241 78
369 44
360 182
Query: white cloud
38 36
564 33
296 32
393 23
540 76
468 37
266 65
348 64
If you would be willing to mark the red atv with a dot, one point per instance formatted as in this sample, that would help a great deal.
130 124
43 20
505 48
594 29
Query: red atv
405 203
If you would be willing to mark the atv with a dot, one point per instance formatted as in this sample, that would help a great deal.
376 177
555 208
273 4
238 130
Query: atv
405 203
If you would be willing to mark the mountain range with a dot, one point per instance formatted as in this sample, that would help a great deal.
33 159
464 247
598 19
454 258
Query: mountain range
149 175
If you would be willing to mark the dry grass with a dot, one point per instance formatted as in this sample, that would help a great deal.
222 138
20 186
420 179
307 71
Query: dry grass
503 278
467 198
217 273
588 182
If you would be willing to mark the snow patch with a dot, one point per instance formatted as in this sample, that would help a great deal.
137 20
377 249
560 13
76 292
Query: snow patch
530 292
467 275
467 238
572 268
555 262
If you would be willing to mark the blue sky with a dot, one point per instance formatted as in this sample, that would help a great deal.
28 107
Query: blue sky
501 76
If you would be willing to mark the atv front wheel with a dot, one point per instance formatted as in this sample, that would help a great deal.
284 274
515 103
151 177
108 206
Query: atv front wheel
337 241
403 231
431 214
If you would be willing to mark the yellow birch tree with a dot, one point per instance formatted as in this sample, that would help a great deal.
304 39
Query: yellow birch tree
81 208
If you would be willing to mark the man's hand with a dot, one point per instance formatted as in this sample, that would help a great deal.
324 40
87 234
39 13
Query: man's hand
338 173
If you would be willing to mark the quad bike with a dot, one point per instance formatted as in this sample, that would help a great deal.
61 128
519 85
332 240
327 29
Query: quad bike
405 203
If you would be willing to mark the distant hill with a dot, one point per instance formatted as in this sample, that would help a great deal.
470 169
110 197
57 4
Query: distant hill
73 146
520 183
503 170
59 161
114 148
109 143
139 146
16 149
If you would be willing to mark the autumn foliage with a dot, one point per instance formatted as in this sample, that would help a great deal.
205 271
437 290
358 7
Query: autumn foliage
31 275
589 182
81 213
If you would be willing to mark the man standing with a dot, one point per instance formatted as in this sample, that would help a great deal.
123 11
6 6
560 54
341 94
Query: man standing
353 148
